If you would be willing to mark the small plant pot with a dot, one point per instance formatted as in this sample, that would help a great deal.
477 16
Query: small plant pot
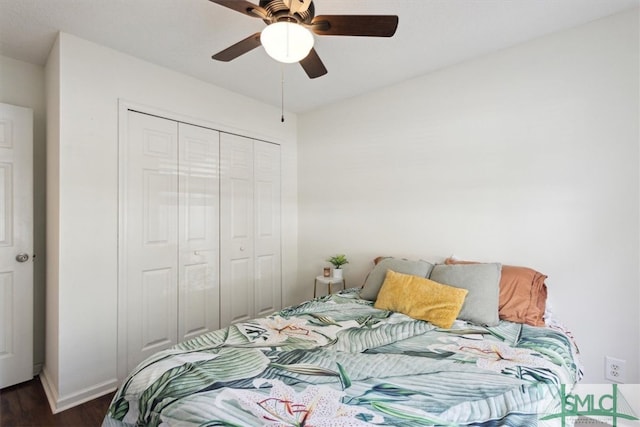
337 273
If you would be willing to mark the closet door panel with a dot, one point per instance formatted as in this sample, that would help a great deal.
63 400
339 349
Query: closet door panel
196 314
238 303
151 235
267 226
199 290
237 228
158 298
157 215
267 280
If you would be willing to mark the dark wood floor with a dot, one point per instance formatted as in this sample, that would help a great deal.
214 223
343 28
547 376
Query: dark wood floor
26 405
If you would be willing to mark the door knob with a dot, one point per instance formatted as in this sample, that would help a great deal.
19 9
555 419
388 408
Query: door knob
22 257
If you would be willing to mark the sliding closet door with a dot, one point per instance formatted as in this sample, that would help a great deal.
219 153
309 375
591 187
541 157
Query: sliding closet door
250 266
200 233
171 233
199 291
236 226
150 235
267 228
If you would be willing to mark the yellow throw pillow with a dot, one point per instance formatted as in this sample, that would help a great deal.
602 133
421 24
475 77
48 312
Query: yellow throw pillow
421 298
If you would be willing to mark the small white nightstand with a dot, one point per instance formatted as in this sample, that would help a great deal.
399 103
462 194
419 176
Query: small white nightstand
329 281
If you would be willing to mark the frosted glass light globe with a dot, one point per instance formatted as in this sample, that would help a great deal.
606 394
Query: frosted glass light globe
286 42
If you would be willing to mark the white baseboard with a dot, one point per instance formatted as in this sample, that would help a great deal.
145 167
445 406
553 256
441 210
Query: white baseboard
59 404
49 390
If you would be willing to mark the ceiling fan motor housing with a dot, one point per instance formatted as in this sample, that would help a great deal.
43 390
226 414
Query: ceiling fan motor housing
277 11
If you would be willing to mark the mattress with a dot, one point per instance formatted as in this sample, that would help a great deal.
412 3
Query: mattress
338 361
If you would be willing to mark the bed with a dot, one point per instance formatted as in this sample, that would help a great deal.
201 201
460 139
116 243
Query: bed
341 360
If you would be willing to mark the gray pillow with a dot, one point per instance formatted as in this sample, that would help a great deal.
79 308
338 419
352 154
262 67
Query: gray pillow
483 283
376 277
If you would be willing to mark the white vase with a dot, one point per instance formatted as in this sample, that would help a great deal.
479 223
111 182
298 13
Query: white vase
337 273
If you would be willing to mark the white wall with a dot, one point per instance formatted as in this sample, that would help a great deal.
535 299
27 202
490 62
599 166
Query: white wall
22 84
84 203
528 156
50 372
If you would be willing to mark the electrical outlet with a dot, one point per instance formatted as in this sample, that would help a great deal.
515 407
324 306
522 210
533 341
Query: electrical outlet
614 369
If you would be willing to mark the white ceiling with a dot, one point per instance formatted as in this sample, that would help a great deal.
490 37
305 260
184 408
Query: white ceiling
183 34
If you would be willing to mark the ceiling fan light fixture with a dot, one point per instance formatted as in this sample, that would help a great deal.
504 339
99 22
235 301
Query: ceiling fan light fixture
287 42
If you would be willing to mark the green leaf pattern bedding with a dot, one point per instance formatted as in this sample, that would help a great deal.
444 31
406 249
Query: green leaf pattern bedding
337 361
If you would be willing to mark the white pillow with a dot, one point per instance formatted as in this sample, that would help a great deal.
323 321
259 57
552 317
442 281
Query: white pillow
483 283
374 280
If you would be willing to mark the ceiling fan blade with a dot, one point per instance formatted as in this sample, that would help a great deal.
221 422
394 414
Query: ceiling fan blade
355 25
313 65
242 6
240 48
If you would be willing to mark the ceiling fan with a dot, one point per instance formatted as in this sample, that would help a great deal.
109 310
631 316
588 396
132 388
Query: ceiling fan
288 38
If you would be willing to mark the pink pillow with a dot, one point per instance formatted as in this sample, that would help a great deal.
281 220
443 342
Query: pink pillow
523 294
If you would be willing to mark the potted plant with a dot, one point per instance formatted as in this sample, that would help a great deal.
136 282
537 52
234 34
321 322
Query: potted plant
338 261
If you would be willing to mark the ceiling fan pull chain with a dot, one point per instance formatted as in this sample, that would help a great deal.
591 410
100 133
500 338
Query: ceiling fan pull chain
282 92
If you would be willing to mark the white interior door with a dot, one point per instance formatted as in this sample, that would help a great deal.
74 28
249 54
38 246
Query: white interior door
199 289
268 282
16 244
150 235
236 229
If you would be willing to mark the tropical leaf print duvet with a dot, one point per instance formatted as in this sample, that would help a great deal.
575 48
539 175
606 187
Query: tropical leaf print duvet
337 361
